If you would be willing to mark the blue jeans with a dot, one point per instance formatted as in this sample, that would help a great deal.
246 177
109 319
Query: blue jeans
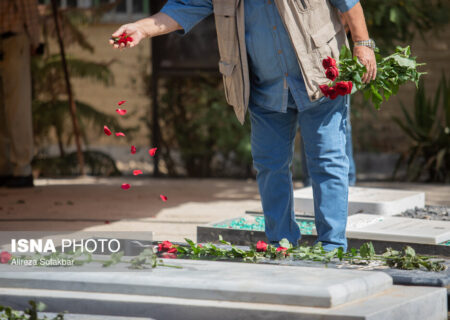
306 179
323 126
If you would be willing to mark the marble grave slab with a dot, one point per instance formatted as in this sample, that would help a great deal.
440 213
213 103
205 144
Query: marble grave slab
384 202
399 229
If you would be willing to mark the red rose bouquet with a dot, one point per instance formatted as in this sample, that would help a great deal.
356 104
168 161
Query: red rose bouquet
392 71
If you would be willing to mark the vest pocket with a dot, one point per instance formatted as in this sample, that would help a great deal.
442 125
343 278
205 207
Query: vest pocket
302 5
225 8
227 69
225 16
325 34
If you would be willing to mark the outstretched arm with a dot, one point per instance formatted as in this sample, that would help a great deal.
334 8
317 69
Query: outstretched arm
175 15
153 26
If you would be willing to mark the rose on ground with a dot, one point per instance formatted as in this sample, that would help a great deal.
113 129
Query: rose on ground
125 186
332 73
163 197
165 246
172 250
137 172
328 62
133 149
5 256
152 151
261 246
107 131
122 112
120 134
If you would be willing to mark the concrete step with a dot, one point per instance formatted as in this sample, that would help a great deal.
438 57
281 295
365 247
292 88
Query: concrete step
396 303
224 290
227 281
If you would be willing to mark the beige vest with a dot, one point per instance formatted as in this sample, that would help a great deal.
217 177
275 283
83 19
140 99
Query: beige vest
315 30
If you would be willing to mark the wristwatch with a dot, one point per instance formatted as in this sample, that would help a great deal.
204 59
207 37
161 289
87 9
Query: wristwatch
366 43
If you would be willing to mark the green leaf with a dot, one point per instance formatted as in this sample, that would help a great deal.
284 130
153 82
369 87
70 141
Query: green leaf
357 79
367 94
410 252
192 243
404 62
340 253
285 243
367 250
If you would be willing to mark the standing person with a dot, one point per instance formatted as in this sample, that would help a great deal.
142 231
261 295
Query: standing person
271 59
19 37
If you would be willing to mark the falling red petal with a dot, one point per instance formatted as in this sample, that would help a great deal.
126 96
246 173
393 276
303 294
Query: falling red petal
137 172
122 112
152 151
163 198
120 134
125 186
133 149
121 102
107 131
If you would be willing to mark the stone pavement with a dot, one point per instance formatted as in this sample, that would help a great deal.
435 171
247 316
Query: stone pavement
89 203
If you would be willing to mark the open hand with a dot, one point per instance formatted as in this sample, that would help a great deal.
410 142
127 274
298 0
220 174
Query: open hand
133 30
366 56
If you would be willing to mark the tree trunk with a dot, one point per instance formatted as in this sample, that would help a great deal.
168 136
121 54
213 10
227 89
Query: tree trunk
73 108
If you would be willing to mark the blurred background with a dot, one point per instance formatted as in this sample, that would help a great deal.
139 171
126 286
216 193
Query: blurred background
175 101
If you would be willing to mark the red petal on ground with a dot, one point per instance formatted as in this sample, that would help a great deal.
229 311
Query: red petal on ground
125 186
107 131
137 172
120 134
106 221
121 102
163 198
122 112
133 149
152 151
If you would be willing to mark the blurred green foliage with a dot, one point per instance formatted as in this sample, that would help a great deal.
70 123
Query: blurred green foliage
197 122
428 126
397 22
51 110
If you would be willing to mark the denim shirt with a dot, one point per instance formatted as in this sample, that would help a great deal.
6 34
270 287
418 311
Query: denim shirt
274 70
